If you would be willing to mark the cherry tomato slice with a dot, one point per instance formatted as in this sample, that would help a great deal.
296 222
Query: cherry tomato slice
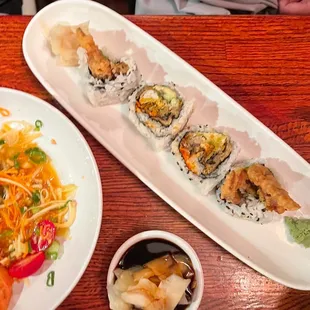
27 266
43 236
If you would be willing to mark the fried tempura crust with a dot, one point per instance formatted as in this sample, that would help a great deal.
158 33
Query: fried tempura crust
100 66
276 197
258 181
234 182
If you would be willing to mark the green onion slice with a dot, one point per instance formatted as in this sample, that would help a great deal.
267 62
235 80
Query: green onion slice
29 247
53 250
36 155
23 210
16 162
38 124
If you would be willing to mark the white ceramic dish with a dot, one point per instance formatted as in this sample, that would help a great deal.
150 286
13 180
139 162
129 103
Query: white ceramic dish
265 248
74 163
182 244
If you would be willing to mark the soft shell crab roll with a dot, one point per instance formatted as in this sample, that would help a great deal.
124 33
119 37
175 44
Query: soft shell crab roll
250 191
204 155
159 113
107 81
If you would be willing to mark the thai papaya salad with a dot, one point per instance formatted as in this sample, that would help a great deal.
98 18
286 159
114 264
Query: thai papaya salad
36 210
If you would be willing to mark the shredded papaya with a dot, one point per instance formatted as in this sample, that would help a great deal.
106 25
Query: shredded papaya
30 190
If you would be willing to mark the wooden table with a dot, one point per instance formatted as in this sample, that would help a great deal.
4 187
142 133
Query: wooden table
263 63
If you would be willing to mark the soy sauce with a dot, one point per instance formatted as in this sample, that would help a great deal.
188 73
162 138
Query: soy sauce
148 250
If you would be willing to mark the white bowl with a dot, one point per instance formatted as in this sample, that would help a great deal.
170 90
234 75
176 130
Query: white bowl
182 244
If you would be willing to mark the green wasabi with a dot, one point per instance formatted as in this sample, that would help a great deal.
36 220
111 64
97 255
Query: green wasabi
299 229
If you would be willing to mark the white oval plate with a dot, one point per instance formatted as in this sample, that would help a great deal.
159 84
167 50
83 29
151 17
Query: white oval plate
76 164
266 248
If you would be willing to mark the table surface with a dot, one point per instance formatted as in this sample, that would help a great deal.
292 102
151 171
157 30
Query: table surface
263 63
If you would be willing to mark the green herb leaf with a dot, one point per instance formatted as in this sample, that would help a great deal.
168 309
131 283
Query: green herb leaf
36 197
36 155
50 279
2 142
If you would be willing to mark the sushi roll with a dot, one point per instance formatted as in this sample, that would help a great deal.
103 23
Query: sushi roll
250 191
204 155
107 81
159 113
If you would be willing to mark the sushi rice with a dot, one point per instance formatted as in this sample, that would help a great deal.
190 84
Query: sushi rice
107 92
159 136
205 184
252 209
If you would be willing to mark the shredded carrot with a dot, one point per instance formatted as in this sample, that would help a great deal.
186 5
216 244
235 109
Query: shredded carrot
12 182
